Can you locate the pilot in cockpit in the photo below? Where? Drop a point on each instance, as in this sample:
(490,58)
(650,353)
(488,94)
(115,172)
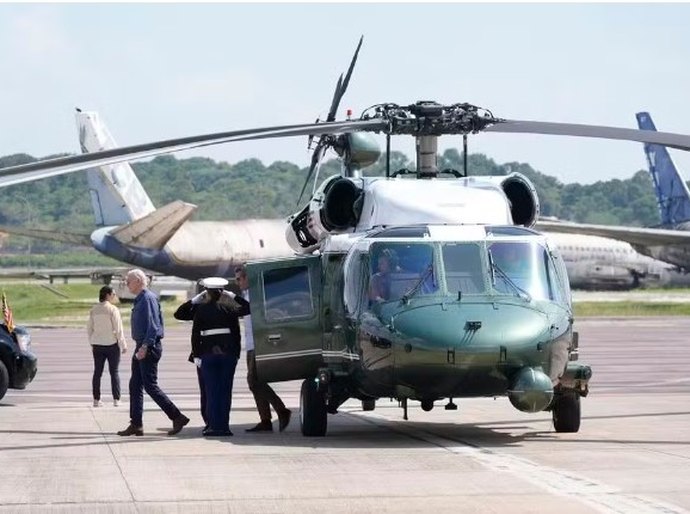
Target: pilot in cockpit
(380,283)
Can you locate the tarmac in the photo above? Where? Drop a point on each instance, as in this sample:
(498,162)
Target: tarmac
(632,455)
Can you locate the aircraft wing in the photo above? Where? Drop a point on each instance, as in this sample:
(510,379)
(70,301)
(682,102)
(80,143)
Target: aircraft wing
(633,235)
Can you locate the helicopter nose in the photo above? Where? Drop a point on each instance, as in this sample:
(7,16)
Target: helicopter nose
(472,326)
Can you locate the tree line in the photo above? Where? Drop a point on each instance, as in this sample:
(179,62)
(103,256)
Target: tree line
(250,188)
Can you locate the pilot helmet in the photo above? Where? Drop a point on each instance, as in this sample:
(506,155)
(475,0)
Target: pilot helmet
(214,283)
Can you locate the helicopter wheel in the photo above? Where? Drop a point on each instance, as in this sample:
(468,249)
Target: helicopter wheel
(312,410)
(368,404)
(566,412)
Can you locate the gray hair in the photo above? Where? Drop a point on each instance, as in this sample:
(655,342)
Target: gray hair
(139,275)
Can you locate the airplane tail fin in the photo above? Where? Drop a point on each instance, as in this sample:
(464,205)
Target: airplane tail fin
(154,230)
(672,193)
(117,196)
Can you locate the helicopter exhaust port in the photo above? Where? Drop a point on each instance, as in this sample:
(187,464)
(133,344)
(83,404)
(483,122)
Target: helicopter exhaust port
(532,390)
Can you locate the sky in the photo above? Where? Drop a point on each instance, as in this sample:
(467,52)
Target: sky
(159,71)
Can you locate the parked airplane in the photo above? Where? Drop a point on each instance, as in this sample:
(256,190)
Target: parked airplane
(608,264)
(130,229)
(671,242)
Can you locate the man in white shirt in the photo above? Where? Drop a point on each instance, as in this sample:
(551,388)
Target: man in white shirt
(264,395)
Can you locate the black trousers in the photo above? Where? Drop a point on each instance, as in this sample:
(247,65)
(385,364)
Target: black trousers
(264,395)
(110,353)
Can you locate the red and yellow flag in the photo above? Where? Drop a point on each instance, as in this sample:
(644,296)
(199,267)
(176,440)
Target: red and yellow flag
(7,313)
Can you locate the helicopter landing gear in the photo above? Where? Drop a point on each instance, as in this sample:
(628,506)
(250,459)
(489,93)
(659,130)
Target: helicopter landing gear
(565,412)
(312,410)
(450,405)
(427,405)
(368,404)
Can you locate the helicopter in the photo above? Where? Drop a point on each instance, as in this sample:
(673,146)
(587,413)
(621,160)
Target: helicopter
(420,285)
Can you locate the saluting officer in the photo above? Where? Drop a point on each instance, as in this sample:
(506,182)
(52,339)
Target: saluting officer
(216,341)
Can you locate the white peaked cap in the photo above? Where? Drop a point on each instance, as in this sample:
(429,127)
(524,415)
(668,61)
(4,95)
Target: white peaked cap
(214,283)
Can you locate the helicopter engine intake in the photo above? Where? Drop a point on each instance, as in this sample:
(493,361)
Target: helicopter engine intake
(522,195)
(335,208)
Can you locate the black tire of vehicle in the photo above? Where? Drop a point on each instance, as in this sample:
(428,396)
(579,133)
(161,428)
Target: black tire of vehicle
(566,412)
(312,410)
(4,380)
(368,404)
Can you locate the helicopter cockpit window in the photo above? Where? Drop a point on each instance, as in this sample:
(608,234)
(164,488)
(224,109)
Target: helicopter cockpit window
(287,294)
(464,269)
(519,268)
(399,270)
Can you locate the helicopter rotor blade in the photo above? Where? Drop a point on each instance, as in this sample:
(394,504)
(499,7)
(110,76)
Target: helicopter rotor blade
(51,167)
(315,159)
(343,83)
(677,141)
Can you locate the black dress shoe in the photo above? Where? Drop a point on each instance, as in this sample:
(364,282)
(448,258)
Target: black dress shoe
(178,423)
(131,430)
(262,426)
(284,419)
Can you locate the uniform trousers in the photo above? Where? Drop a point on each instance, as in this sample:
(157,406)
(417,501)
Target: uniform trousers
(218,371)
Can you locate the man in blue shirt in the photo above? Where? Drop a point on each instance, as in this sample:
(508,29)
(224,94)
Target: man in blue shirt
(147,332)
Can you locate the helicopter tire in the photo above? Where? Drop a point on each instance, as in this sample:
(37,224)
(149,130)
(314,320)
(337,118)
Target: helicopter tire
(312,410)
(368,404)
(566,412)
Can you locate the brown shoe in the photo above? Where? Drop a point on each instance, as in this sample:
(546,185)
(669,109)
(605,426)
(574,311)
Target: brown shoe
(284,419)
(262,426)
(131,430)
(178,423)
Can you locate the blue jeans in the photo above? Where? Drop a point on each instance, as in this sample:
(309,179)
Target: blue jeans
(145,378)
(218,371)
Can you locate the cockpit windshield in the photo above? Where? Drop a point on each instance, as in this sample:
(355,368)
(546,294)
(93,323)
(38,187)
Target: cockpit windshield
(521,268)
(400,271)
(392,271)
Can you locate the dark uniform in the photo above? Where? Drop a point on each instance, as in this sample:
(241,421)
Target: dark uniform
(216,340)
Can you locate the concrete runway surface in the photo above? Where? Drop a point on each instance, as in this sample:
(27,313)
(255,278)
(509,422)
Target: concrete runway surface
(632,454)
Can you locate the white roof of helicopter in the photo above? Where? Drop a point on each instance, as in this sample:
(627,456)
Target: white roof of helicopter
(401,201)
(436,233)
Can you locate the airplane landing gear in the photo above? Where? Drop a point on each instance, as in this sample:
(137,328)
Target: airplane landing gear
(566,412)
(312,410)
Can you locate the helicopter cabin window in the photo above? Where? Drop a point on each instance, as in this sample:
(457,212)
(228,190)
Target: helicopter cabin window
(287,294)
(463,265)
(399,270)
(519,267)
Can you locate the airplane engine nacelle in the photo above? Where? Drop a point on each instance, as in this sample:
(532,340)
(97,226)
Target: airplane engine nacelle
(523,198)
(334,209)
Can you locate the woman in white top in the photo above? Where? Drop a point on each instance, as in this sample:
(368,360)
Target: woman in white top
(107,339)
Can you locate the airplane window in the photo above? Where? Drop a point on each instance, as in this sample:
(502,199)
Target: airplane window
(287,293)
(463,268)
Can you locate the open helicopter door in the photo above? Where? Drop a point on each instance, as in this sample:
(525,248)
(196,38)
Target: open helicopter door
(285,297)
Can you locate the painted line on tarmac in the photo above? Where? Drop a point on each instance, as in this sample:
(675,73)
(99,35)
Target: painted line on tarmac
(600,496)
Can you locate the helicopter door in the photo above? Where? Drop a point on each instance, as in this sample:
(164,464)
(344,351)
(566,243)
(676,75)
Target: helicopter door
(285,297)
